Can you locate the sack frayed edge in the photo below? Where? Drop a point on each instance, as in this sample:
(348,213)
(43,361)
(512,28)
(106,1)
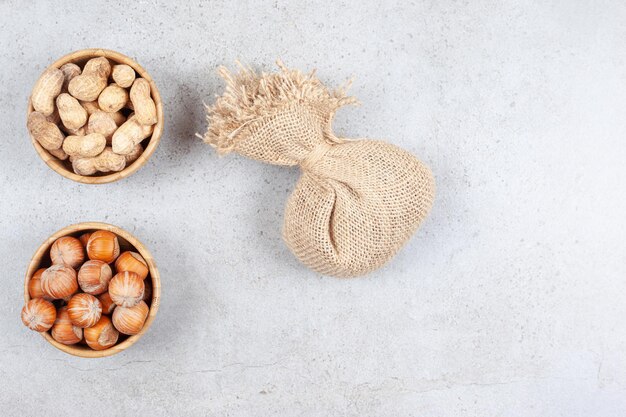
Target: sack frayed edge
(251,97)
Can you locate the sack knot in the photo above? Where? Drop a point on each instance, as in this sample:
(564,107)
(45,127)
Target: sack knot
(315,155)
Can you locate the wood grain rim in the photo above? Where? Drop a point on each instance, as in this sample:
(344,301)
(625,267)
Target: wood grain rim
(116,57)
(84,351)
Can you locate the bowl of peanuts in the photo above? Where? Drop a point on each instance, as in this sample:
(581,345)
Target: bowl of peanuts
(95,116)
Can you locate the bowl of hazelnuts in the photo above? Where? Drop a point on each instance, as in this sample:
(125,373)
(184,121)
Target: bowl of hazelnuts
(95,116)
(91,290)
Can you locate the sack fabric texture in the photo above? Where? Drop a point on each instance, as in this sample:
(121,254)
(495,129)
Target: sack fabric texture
(356,203)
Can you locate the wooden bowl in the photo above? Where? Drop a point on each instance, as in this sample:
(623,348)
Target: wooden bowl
(41,259)
(64,167)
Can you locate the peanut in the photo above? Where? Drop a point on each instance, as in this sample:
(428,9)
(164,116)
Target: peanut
(73,115)
(123,75)
(85,146)
(128,135)
(112,98)
(90,106)
(81,131)
(144,106)
(104,123)
(83,166)
(109,161)
(88,85)
(69,71)
(47,88)
(118,117)
(59,154)
(98,66)
(106,161)
(44,132)
(54,117)
(134,154)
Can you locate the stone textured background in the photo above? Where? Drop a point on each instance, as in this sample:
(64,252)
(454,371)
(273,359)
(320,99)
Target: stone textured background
(510,301)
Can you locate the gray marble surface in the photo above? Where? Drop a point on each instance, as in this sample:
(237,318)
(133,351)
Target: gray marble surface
(510,301)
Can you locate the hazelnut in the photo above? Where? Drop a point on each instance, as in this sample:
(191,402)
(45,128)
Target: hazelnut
(59,281)
(63,331)
(103,246)
(39,314)
(126,289)
(130,320)
(84,310)
(107,304)
(147,292)
(102,335)
(94,277)
(132,262)
(84,238)
(67,250)
(34,285)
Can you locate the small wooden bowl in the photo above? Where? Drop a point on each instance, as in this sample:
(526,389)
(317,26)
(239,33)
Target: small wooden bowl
(127,242)
(64,167)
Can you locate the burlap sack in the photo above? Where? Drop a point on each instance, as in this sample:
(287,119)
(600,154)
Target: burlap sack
(357,201)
